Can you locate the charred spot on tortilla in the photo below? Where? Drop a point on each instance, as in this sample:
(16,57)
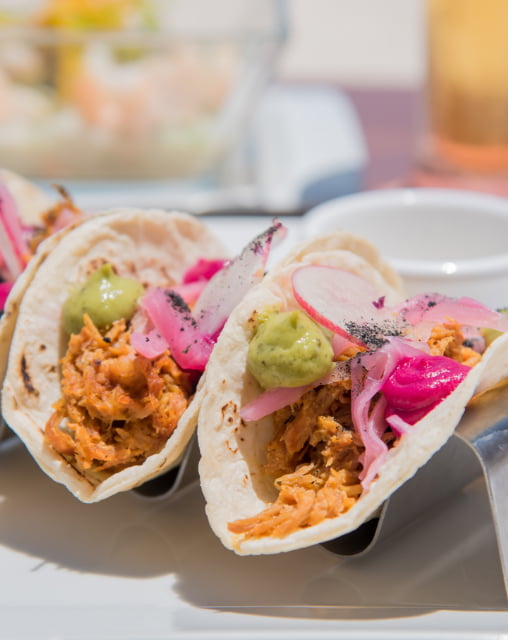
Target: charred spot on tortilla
(253,318)
(96,264)
(42,347)
(27,380)
(234,450)
(229,406)
(131,268)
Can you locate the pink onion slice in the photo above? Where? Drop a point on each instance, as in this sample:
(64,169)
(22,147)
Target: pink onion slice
(270,401)
(435,308)
(151,345)
(13,246)
(419,383)
(174,323)
(368,373)
(191,335)
(343,302)
(190,291)
(279,397)
(5,289)
(202,270)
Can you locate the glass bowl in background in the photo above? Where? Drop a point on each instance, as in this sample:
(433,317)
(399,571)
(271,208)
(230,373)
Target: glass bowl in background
(157,90)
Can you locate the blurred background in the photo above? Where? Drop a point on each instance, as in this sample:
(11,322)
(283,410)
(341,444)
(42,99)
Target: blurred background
(360,43)
(264,106)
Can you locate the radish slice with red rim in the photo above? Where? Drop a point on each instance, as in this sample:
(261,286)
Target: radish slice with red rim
(343,302)
(229,285)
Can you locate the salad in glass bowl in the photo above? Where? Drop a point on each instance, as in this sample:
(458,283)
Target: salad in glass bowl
(120,89)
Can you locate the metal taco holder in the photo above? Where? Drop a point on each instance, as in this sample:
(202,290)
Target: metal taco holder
(478,446)
(166,485)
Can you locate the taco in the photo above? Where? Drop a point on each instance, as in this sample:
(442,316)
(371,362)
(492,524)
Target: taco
(327,390)
(54,360)
(103,369)
(28,215)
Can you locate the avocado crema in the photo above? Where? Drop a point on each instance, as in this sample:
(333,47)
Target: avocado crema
(288,350)
(105,297)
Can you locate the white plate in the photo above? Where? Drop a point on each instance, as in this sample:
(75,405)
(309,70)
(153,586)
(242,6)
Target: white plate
(134,568)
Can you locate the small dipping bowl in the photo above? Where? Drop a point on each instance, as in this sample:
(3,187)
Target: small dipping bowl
(438,240)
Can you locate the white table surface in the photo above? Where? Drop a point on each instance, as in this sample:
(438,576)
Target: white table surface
(135,568)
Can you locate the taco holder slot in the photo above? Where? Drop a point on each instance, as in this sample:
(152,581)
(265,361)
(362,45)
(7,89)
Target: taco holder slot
(478,447)
(166,485)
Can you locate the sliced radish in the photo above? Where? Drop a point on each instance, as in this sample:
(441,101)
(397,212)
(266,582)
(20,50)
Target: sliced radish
(229,285)
(191,335)
(341,301)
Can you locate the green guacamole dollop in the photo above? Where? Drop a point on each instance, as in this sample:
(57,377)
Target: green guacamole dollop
(288,350)
(105,297)
(490,335)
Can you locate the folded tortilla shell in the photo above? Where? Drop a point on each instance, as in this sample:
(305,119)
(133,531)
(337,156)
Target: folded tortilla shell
(32,203)
(233,452)
(154,247)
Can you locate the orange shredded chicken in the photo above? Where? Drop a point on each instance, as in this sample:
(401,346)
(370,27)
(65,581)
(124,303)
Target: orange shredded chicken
(117,407)
(314,456)
(447,339)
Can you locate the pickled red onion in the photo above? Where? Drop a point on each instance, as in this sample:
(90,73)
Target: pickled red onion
(270,401)
(277,398)
(202,270)
(419,383)
(151,345)
(190,336)
(13,247)
(368,373)
(174,322)
(5,289)
(435,308)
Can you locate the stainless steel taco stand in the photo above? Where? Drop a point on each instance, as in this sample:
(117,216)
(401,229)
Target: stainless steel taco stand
(479,446)
(166,485)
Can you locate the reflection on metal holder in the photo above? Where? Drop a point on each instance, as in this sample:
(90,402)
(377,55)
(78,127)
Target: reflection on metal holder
(479,446)
(167,484)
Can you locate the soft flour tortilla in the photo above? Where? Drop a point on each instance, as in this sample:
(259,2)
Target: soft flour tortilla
(31,203)
(154,247)
(233,452)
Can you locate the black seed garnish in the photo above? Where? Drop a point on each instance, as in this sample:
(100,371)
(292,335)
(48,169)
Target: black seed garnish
(371,334)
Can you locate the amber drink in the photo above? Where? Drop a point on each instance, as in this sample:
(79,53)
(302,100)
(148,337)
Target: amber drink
(467,86)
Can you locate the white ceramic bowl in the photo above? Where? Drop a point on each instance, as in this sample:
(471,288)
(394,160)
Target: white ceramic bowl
(449,241)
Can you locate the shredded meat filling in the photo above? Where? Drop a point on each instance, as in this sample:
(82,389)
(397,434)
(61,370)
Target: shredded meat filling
(314,459)
(117,407)
(314,456)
